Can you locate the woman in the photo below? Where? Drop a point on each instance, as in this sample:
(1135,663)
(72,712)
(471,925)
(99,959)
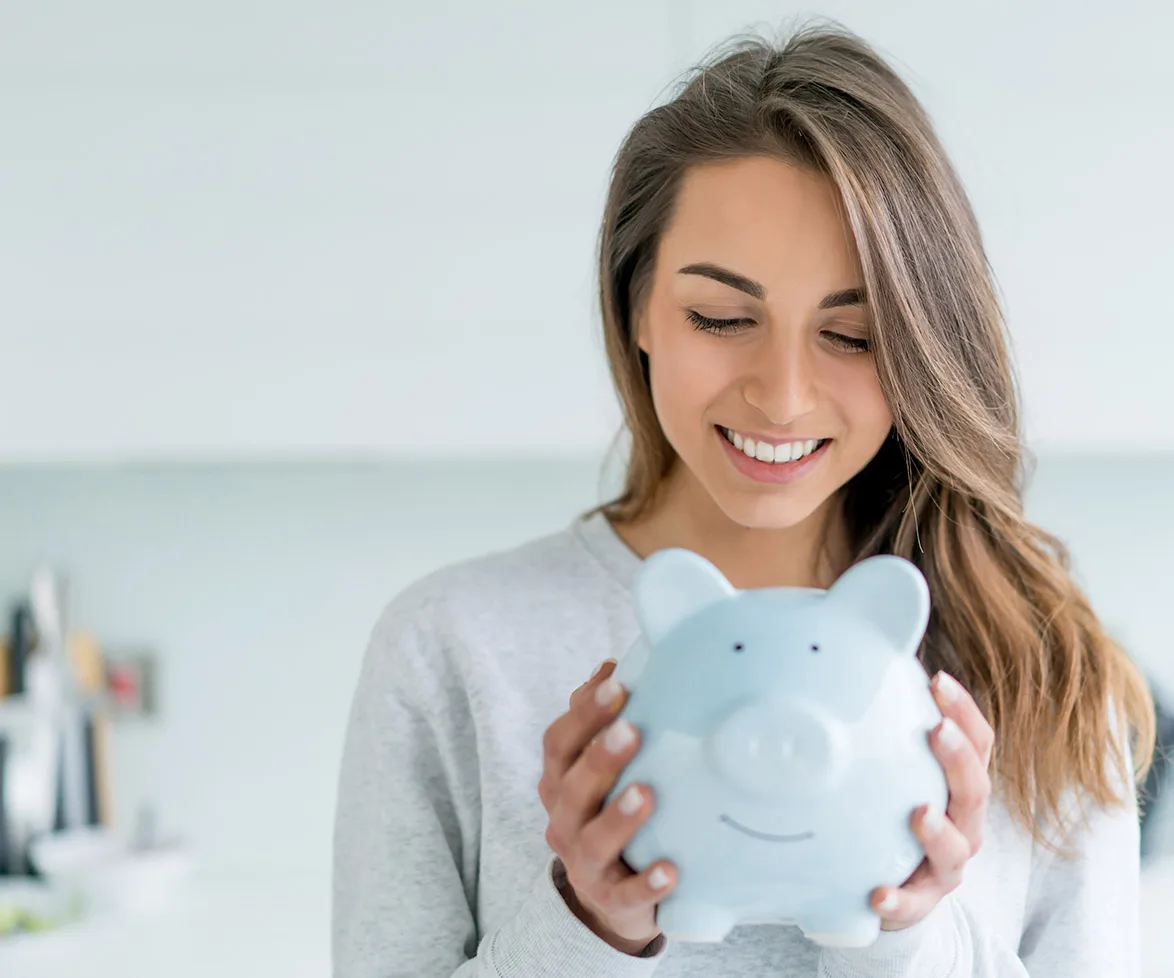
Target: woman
(804,335)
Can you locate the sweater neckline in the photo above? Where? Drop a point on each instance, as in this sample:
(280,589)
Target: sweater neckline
(600,538)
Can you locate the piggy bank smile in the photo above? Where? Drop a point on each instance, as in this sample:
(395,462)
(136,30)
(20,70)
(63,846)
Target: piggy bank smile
(765,836)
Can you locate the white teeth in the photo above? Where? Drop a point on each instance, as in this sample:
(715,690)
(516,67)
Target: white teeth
(766,452)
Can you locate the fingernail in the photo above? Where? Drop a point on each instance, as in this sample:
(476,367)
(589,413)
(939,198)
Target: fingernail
(618,737)
(658,879)
(889,903)
(630,801)
(950,735)
(948,687)
(608,691)
(932,819)
(598,669)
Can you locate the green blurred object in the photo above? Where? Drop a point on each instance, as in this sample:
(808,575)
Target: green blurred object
(28,907)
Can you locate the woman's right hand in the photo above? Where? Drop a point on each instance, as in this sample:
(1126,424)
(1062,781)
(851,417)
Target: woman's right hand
(584,751)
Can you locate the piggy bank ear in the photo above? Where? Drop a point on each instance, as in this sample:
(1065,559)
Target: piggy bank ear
(889,592)
(674,584)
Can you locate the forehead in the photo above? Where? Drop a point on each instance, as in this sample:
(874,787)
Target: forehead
(770,220)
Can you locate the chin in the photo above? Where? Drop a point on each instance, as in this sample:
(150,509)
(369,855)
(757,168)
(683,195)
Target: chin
(773,511)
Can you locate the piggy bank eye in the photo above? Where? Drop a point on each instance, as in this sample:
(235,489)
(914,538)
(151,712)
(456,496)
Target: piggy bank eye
(815,648)
(738,646)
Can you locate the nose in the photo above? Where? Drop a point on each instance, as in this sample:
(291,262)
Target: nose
(781,383)
(775,749)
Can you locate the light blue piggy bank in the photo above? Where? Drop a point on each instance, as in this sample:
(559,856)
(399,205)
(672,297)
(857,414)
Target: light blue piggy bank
(784,735)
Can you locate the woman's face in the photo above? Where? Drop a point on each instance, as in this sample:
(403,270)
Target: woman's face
(789,376)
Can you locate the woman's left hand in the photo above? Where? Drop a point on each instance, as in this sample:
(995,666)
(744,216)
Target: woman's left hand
(963,743)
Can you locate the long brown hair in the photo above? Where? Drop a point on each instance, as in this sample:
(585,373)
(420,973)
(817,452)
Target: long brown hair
(945,490)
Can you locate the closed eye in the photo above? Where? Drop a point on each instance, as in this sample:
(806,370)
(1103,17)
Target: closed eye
(728,327)
(849,344)
(724,326)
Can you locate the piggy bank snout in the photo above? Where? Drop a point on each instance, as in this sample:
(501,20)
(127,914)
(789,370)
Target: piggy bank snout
(775,749)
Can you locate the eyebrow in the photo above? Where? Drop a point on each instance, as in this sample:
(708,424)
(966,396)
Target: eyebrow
(834,300)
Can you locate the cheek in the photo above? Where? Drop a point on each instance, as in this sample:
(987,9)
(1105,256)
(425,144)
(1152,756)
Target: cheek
(864,401)
(686,377)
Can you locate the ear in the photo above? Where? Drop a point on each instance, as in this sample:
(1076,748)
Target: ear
(639,328)
(889,592)
(673,585)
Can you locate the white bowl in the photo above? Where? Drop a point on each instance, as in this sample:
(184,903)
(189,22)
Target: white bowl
(110,875)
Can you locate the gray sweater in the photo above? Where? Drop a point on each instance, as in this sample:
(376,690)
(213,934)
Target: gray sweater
(441,867)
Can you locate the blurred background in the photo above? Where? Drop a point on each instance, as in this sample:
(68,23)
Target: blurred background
(296,305)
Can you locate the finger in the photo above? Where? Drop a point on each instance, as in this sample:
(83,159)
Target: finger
(602,672)
(594,774)
(922,872)
(904,906)
(641,890)
(946,848)
(966,777)
(603,838)
(955,702)
(607,881)
(593,706)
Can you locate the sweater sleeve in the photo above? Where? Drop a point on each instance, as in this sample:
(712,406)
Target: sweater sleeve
(1083,914)
(407,825)
(1082,918)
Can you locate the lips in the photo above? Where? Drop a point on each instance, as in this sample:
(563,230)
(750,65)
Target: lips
(774,451)
(776,473)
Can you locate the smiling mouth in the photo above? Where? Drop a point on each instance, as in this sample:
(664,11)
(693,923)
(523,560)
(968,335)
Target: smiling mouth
(766,836)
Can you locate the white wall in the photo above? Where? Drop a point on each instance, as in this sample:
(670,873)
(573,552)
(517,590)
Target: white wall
(312,229)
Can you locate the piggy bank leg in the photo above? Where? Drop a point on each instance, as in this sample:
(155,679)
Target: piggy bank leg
(691,920)
(837,927)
